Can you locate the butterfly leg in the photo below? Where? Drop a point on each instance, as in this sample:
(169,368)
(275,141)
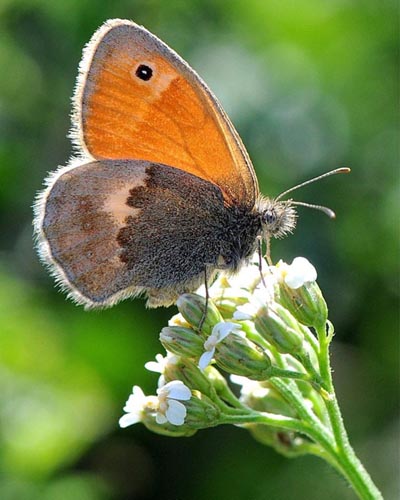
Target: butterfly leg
(207,298)
(259,249)
(268,251)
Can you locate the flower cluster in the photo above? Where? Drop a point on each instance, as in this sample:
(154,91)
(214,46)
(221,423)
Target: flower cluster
(255,355)
(255,329)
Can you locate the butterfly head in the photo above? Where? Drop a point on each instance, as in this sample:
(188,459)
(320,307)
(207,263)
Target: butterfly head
(278,218)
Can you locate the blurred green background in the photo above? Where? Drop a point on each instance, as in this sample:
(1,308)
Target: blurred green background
(310,85)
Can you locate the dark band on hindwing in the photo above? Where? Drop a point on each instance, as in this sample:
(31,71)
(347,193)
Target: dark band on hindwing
(122,227)
(182,225)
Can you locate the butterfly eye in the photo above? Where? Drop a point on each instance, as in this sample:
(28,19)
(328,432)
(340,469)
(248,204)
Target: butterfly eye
(144,72)
(269,216)
(278,218)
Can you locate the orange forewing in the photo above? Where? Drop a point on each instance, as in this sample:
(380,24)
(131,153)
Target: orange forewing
(172,119)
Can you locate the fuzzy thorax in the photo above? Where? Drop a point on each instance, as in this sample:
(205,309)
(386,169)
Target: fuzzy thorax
(278,218)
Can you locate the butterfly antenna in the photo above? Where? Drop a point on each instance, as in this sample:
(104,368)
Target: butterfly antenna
(330,213)
(341,170)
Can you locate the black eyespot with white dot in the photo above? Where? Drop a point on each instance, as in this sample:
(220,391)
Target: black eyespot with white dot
(144,72)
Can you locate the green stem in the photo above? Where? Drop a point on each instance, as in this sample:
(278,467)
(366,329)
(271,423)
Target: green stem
(228,398)
(310,338)
(319,382)
(250,417)
(273,371)
(320,446)
(292,389)
(321,434)
(277,421)
(351,466)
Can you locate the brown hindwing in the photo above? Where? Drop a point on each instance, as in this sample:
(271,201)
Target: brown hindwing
(113,228)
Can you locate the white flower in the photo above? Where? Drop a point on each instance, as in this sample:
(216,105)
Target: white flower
(300,271)
(169,407)
(178,320)
(259,299)
(248,277)
(135,406)
(166,404)
(161,364)
(219,332)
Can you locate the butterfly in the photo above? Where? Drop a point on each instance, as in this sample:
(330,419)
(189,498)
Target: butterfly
(162,194)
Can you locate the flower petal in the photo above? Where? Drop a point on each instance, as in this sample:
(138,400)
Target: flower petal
(129,419)
(153,366)
(244,313)
(136,400)
(223,329)
(176,412)
(161,362)
(177,390)
(299,272)
(161,418)
(210,343)
(248,277)
(157,365)
(161,381)
(205,359)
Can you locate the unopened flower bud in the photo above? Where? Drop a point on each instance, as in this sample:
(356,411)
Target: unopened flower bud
(182,341)
(306,303)
(201,411)
(300,294)
(191,375)
(239,356)
(279,327)
(168,429)
(193,308)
